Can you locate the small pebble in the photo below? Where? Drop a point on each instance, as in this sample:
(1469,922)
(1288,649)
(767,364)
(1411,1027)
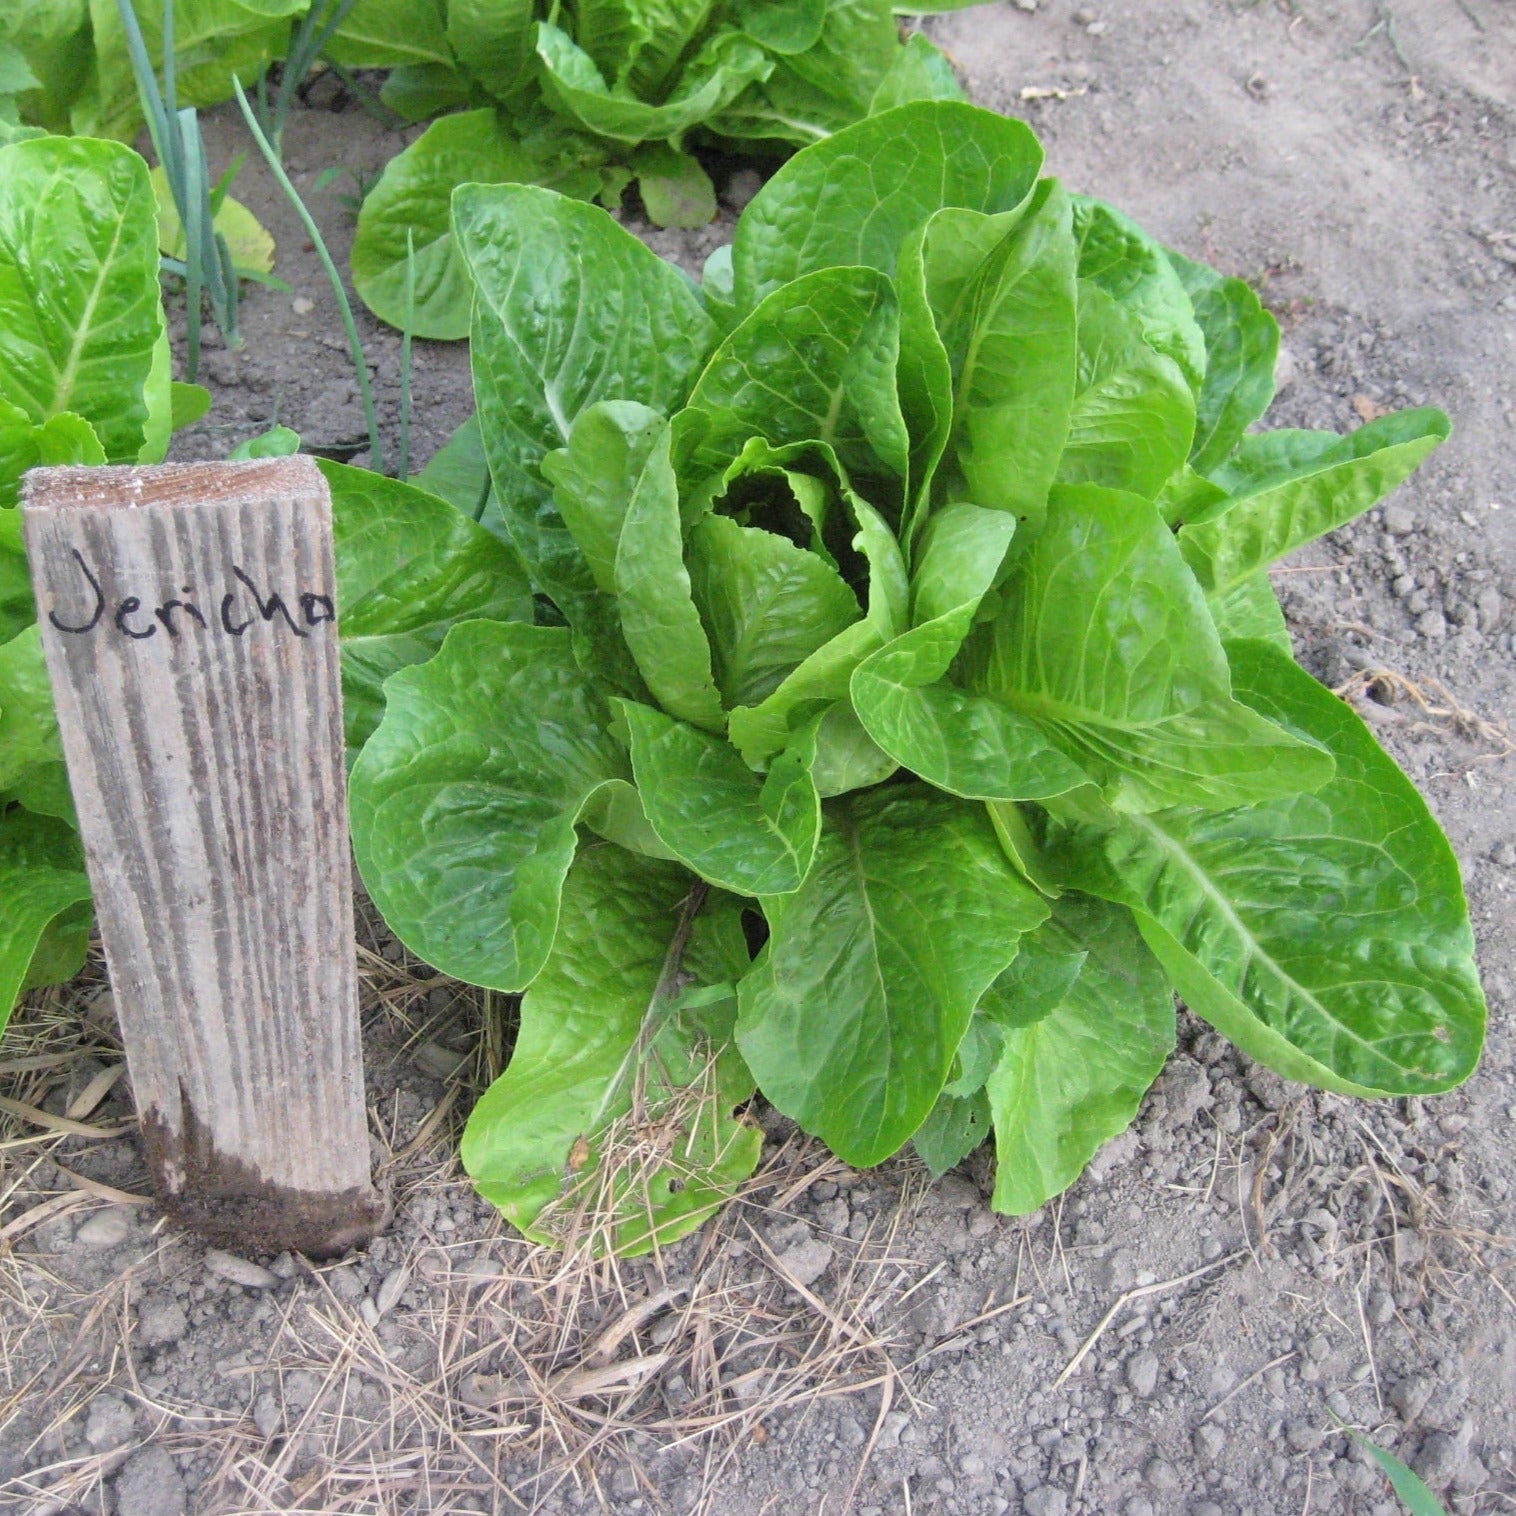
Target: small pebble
(1411,1394)
(741,188)
(1209,1441)
(1399,521)
(150,1485)
(1303,1436)
(236,1270)
(302,306)
(111,1423)
(807,1261)
(161,1320)
(105,1229)
(1045,1500)
(1142,1373)
(267,1415)
(1161,1475)
(391,1290)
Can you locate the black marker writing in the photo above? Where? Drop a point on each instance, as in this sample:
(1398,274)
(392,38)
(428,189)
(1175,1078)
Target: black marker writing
(175,615)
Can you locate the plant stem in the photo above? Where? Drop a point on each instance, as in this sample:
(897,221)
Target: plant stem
(402,471)
(194,244)
(354,342)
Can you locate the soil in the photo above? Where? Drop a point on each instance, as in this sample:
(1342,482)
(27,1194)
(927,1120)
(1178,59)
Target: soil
(1250,1269)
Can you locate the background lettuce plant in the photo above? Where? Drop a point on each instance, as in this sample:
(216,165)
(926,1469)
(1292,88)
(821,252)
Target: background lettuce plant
(906,713)
(586,97)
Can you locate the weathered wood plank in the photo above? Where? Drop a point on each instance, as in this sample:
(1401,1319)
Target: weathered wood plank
(189,627)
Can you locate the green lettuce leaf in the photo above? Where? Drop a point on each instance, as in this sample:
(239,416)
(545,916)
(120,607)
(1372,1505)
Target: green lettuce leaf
(52,38)
(1287,488)
(409,568)
(215,42)
(1133,416)
(956,740)
(458,471)
(852,1015)
(81,315)
(1137,272)
(569,309)
(766,604)
(25,444)
(28,727)
(782,26)
(659,618)
(18,606)
(847,758)
(606,1060)
(410,206)
(1004,301)
(1040,976)
(954,1127)
(1325,934)
(924,379)
(393,34)
(492,41)
(822,88)
(596,474)
(839,62)
(636,622)
(276,442)
(187,404)
(752,834)
(675,189)
(43,884)
(920,72)
(465,798)
(637,44)
(417,92)
(853,199)
(1250,609)
(714,77)
(818,684)
(815,362)
(1075,1077)
(1241,349)
(1105,642)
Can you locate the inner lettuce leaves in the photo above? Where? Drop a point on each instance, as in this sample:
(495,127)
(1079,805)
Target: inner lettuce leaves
(899,620)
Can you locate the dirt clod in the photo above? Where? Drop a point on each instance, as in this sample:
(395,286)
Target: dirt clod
(150,1485)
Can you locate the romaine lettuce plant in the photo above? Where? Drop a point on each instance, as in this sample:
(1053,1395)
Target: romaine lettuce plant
(907,714)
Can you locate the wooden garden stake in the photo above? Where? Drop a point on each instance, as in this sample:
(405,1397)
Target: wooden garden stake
(190,630)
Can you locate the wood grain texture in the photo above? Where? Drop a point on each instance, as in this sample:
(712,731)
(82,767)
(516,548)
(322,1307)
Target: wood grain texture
(190,635)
